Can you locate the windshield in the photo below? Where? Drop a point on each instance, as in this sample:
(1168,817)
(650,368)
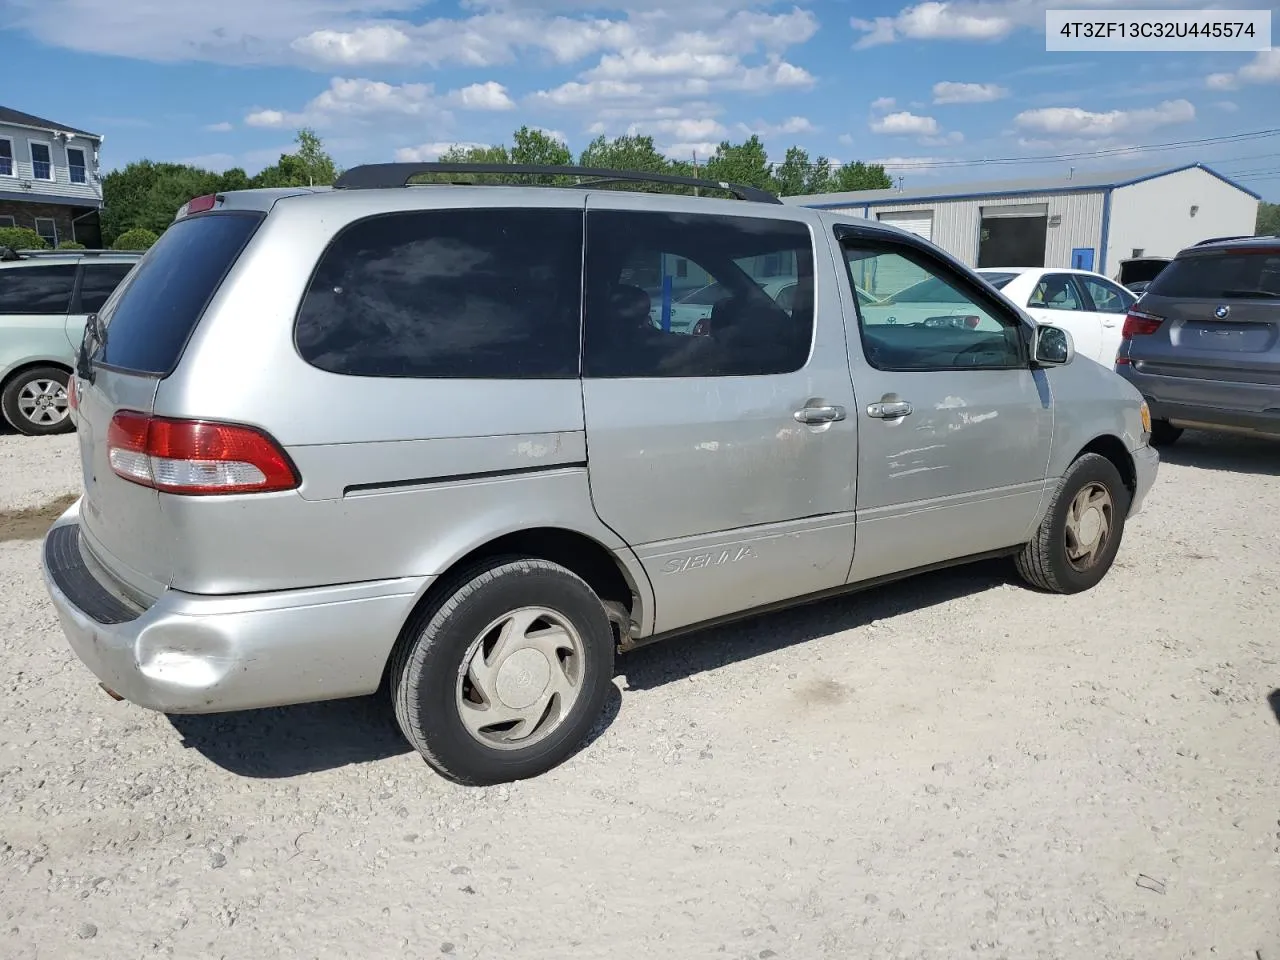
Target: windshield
(1253,274)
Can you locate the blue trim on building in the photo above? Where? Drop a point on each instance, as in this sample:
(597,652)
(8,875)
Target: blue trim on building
(26,196)
(1106,233)
(1189,166)
(1104,188)
(866,211)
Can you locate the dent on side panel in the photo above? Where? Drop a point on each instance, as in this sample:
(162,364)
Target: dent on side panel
(281,541)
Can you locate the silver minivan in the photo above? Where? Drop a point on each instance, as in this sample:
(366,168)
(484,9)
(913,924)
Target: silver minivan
(443,441)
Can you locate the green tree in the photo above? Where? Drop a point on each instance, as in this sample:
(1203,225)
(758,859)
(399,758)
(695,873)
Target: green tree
(21,238)
(627,153)
(1268,224)
(797,174)
(540,148)
(71,245)
(309,166)
(139,238)
(745,163)
(859,176)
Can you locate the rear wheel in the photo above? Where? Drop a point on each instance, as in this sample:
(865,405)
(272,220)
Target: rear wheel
(1163,433)
(503,676)
(35,402)
(1081,531)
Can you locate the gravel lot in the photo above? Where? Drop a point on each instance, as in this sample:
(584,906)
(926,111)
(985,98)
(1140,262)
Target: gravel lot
(949,767)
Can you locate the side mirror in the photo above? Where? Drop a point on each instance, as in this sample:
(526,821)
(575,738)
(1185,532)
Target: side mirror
(1052,346)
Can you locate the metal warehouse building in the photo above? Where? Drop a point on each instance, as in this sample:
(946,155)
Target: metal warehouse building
(1086,220)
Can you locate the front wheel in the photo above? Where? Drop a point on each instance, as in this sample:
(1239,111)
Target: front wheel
(1081,531)
(1164,434)
(35,402)
(503,676)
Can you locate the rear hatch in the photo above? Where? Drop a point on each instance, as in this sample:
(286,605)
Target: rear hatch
(1141,270)
(135,341)
(1213,316)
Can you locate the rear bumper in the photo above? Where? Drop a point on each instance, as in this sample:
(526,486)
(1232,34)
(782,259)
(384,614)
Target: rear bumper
(1209,404)
(197,654)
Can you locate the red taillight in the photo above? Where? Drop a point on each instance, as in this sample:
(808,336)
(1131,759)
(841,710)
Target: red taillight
(972,322)
(73,398)
(196,457)
(700,328)
(201,204)
(1138,324)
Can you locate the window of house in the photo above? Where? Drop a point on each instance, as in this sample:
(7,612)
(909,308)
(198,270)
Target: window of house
(41,161)
(6,157)
(48,229)
(75,164)
(491,293)
(939,323)
(741,331)
(8,222)
(36,289)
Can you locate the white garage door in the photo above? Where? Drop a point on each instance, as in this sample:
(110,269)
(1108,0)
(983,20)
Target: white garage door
(919,222)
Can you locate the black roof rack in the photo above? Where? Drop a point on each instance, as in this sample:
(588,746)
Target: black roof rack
(1243,236)
(371,176)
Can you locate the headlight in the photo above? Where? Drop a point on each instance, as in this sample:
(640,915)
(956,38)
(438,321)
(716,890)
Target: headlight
(1144,414)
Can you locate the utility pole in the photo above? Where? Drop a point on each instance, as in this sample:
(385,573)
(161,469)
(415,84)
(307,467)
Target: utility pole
(695,172)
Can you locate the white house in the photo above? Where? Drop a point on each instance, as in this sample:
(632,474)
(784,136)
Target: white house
(49,178)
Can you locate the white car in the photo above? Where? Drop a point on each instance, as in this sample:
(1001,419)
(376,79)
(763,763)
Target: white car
(1088,304)
(689,311)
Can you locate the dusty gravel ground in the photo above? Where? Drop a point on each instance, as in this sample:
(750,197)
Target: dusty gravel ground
(951,767)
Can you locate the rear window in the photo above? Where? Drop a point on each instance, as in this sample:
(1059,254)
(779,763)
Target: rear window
(161,301)
(997,280)
(1225,276)
(487,293)
(37,290)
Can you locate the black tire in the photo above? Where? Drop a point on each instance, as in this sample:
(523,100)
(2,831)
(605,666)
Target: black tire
(9,402)
(1164,434)
(1044,562)
(425,668)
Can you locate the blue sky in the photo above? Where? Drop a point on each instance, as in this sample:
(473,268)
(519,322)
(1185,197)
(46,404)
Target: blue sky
(911,84)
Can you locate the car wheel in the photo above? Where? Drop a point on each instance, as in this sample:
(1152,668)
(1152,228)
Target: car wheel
(1081,531)
(1163,433)
(502,677)
(35,402)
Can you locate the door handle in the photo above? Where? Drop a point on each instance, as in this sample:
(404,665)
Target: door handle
(823,414)
(889,410)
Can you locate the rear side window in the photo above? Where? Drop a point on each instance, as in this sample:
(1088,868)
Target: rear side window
(34,290)
(97,282)
(1224,276)
(476,293)
(161,302)
(646,315)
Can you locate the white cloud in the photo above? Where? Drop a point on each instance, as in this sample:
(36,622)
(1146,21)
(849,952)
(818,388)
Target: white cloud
(883,103)
(788,127)
(223,127)
(949,91)
(685,129)
(1263,68)
(1080,123)
(905,123)
(266,118)
(357,99)
(932,21)
(428,152)
(690,151)
(896,165)
(483,96)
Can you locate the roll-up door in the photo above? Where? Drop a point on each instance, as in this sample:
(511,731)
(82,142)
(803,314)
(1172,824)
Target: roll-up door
(919,222)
